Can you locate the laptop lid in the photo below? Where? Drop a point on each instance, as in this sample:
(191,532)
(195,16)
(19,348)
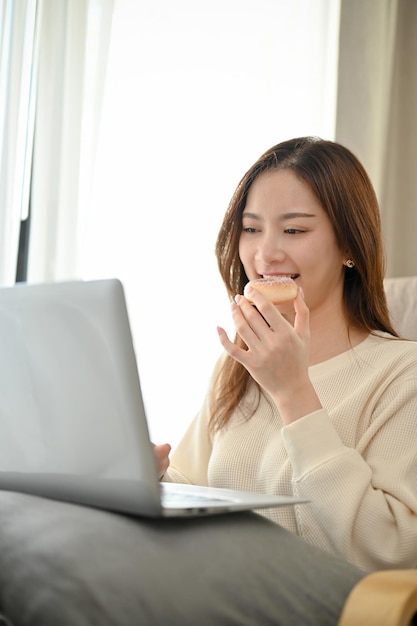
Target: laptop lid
(72,415)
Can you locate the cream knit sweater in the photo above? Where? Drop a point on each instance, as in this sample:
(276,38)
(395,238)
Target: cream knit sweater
(355,460)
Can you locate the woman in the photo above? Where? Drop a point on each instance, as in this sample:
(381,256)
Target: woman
(317,398)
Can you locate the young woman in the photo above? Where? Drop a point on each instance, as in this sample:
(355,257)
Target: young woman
(317,398)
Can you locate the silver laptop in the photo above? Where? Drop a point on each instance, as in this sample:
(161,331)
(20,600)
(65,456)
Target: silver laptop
(72,417)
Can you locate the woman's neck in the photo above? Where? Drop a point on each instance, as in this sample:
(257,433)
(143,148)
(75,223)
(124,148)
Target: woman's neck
(330,337)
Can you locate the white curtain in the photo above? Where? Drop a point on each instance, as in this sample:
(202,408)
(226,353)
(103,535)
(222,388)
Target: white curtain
(73,45)
(18,47)
(376,113)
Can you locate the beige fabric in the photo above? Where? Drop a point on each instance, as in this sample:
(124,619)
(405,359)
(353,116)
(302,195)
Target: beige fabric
(402,303)
(376,113)
(343,458)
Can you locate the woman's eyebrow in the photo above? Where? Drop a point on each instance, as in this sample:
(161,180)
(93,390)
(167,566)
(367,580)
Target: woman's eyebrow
(295,214)
(282,218)
(253,216)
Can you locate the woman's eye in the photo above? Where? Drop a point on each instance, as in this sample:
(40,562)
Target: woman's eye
(294,231)
(249,229)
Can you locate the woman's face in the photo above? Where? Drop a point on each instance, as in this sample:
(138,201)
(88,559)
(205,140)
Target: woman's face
(285,231)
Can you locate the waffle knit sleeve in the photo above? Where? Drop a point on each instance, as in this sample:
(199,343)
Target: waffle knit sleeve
(363,499)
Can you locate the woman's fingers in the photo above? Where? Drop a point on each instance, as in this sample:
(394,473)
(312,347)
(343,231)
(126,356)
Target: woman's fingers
(253,329)
(276,350)
(248,322)
(231,348)
(162,457)
(261,316)
(302,316)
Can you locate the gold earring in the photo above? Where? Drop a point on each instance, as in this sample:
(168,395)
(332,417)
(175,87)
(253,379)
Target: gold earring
(349,263)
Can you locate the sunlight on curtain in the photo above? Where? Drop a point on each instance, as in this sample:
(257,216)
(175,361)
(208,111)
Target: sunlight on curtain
(195,92)
(72,60)
(17,99)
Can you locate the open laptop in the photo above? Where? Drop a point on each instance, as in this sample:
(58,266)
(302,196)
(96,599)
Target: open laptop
(72,418)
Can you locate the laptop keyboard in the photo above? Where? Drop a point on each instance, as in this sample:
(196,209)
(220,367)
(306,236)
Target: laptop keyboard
(170,499)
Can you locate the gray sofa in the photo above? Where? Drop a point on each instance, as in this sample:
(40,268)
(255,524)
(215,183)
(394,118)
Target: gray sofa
(67,565)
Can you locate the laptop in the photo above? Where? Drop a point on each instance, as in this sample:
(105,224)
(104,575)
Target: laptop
(72,417)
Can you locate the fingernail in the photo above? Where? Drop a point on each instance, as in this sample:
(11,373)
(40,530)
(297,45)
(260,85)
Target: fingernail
(237,298)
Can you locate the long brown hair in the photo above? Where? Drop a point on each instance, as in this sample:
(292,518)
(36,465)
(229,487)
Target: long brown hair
(344,190)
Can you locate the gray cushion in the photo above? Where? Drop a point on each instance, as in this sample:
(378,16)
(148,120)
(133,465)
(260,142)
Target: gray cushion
(63,564)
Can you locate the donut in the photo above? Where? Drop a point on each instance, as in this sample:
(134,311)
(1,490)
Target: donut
(277,289)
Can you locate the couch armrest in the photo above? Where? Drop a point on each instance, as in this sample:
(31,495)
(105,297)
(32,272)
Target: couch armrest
(387,597)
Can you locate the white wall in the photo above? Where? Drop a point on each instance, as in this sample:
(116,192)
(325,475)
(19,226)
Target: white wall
(195,92)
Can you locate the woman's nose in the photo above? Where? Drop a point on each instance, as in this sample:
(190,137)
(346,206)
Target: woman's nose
(270,250)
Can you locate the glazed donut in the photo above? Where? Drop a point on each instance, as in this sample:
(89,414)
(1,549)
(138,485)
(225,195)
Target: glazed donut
(278,289)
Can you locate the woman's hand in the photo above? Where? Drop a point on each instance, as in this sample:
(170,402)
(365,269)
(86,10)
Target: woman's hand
(162,457)
(278,353)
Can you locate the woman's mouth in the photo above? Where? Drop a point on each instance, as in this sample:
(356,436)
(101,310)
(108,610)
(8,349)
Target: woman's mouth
(293,276)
